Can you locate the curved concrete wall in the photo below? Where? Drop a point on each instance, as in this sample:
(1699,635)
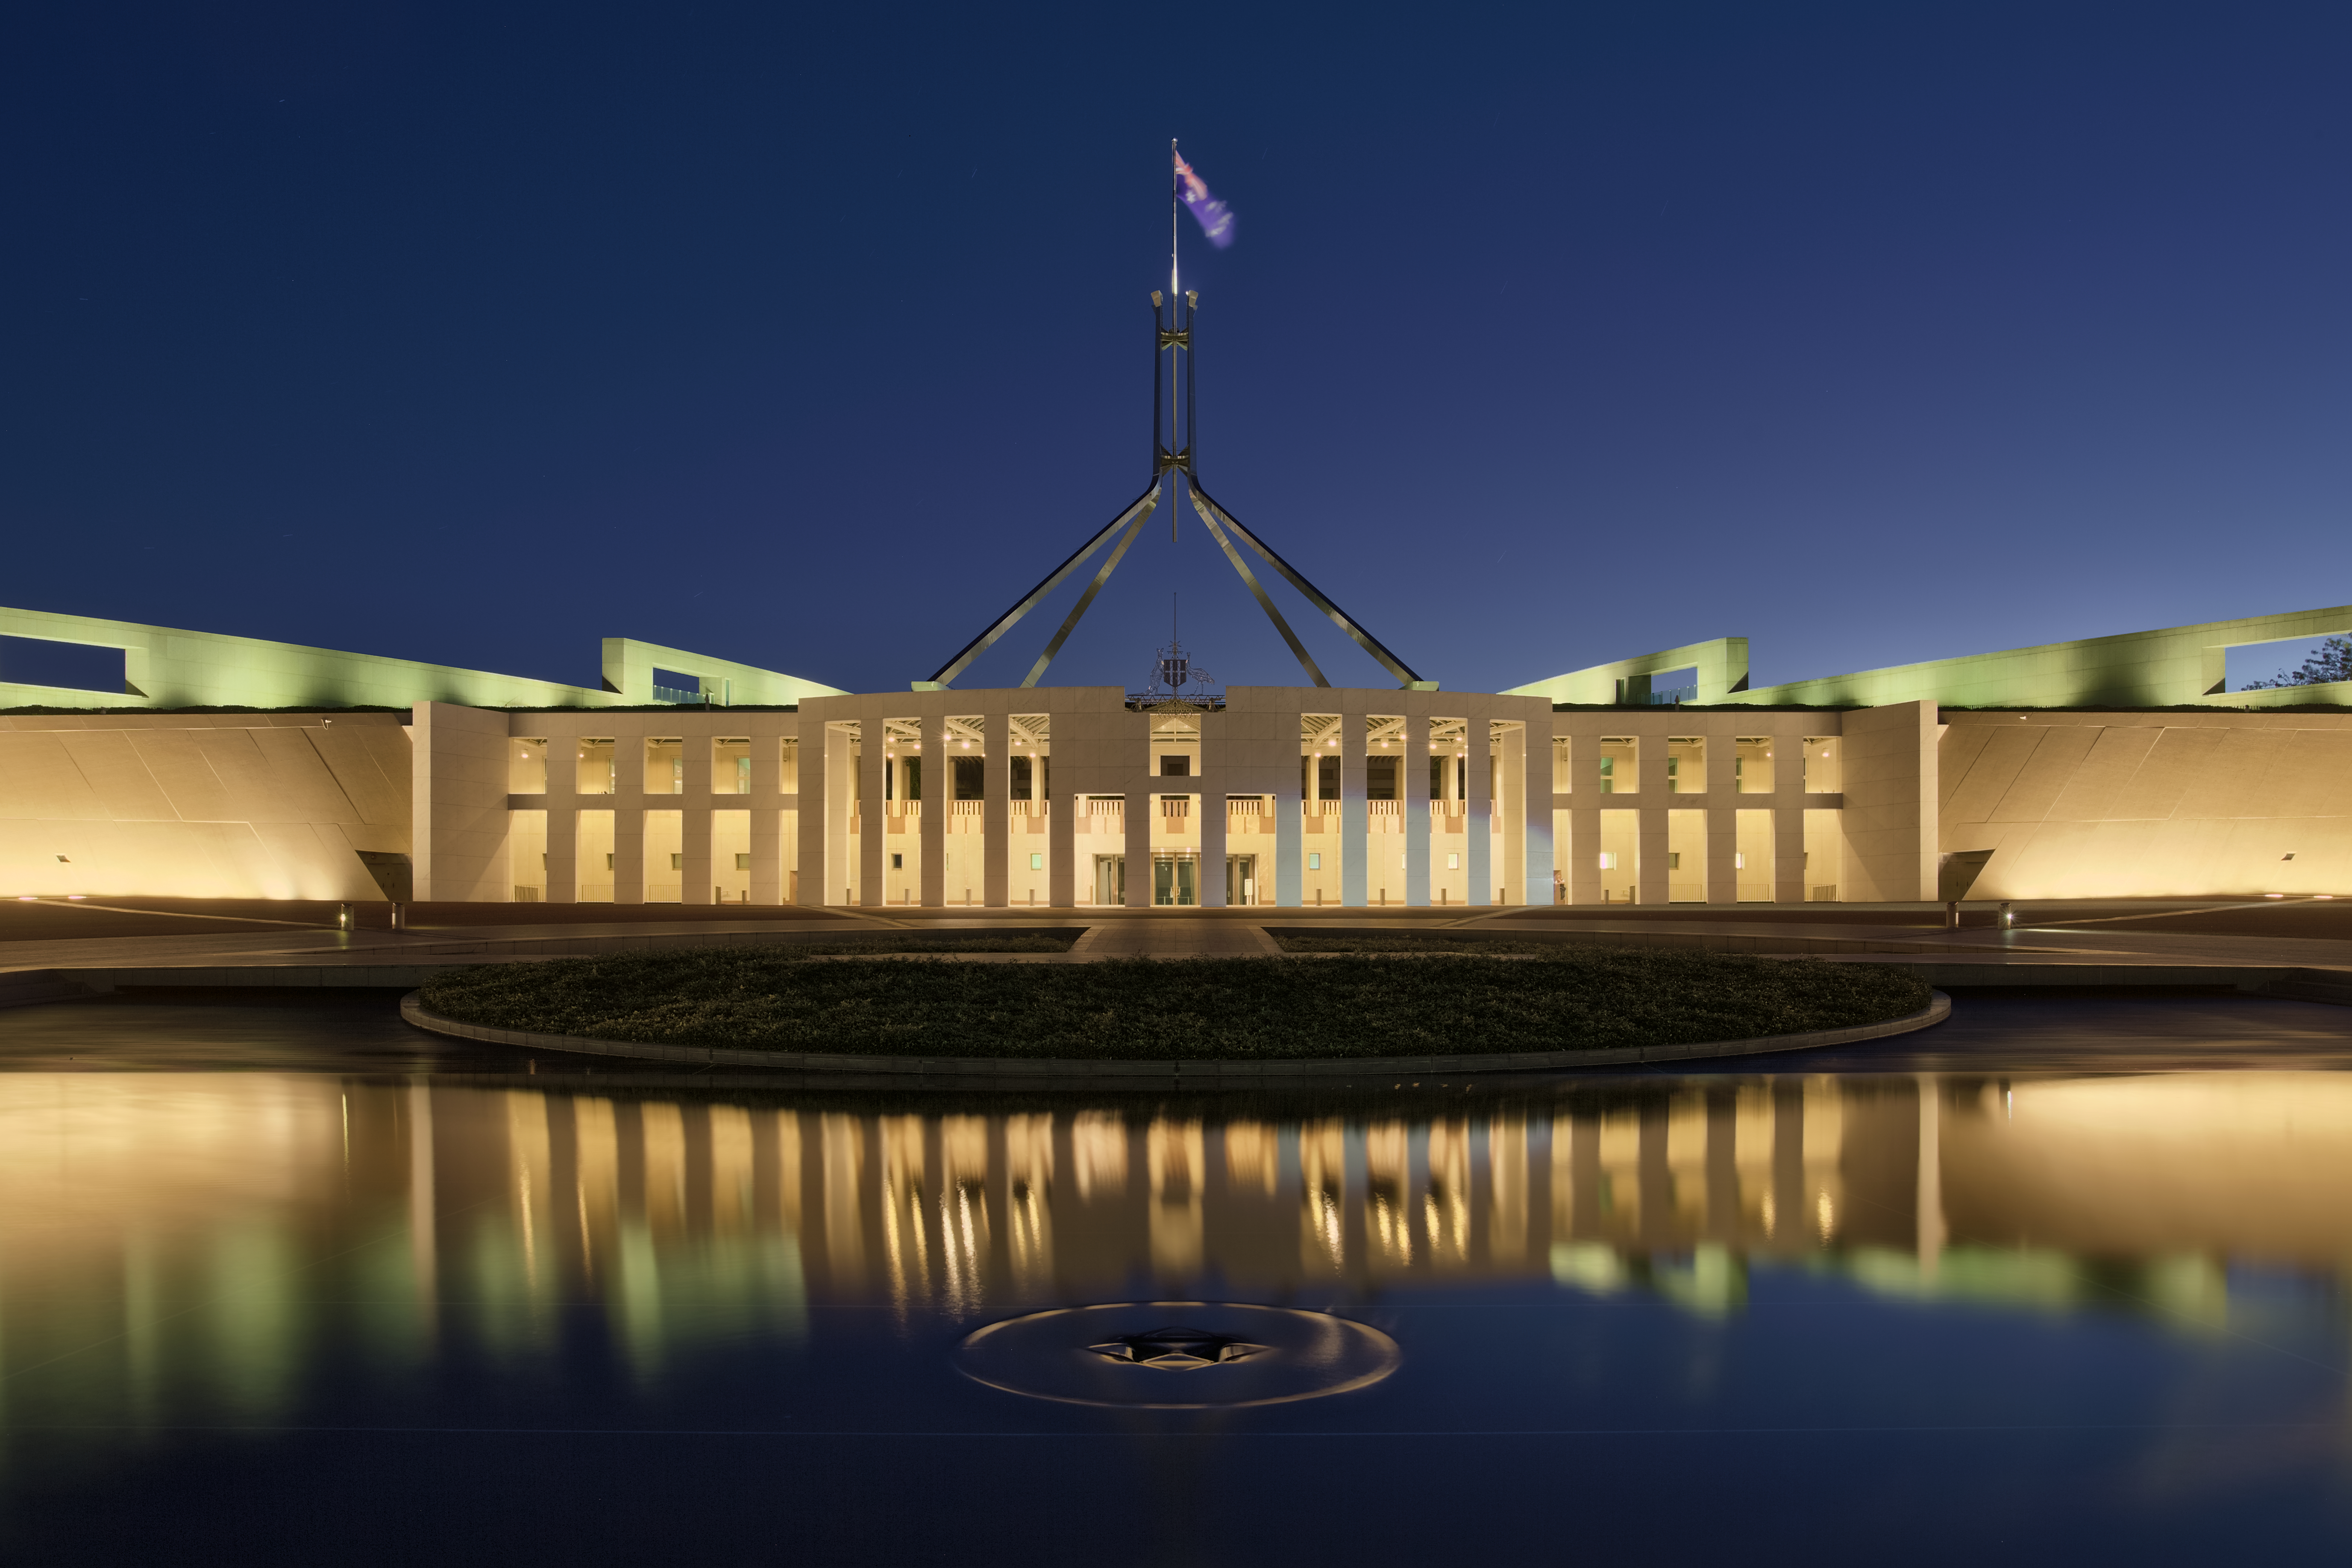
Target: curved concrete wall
(201,805)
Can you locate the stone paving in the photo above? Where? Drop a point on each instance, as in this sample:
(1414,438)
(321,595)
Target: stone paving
(2091,941)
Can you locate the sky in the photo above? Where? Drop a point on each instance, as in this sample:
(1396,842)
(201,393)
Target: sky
(808,337)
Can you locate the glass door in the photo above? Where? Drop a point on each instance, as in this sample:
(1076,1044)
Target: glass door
(1175,880)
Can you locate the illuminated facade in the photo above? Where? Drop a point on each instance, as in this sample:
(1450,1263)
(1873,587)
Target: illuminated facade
(2119,766)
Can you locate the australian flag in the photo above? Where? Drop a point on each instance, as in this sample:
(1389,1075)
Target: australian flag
(1215,218)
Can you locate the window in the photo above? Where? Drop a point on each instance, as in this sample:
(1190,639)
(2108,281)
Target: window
(730,766)
(666,767)
(672,686)
(1314,859)
(1176,767)
(1821,765)
(526,768)
(1608,860)
(1453,862)
(1685,764)
(899,862)
(1620,764)
(677,862)
(1674,859)
(1037,861)
(595,763)
(742,862)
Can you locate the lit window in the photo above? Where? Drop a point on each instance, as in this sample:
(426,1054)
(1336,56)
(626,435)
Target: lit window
(1314,859)
(1036,862)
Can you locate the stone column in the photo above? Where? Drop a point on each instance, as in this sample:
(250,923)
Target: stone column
(1479,846)
(1516,801)
(694,853)
(1788,816)
(938,804)
(1210,805)
(1355,822)
(1651,834)
(996,808)
(1722,819)
(768,879)
(695,886)
(1060,844)
(767,856)
(562,819)
(1142,808)
(873,843)
(824,824)
(1887,756)
(1535,782)
(820,797)
(1289,832)
(1413,797)
(1583,856)
(629,817)
(459,784)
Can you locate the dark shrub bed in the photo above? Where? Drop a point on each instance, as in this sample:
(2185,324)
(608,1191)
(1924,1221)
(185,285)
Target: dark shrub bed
(1579,998)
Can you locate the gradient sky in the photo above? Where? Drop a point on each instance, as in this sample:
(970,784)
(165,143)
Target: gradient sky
(812,338)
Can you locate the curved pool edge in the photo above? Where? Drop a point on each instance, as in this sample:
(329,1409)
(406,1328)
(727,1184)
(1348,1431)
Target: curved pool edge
(1017,1069)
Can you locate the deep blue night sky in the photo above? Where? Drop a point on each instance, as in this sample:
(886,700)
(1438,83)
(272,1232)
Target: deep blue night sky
(811,339)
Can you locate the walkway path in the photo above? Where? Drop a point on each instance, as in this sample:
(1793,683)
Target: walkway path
(2085,943)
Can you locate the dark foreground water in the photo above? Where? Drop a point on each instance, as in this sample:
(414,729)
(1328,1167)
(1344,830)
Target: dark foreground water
(2064,1282)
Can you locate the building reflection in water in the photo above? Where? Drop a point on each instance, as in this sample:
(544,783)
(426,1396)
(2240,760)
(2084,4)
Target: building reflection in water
(197,1238)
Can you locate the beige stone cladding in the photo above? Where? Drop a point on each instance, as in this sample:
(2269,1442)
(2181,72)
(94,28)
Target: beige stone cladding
(1755,786)
(1117,802)
(2076,805)
(715,833)
(201,804)
(1084,735)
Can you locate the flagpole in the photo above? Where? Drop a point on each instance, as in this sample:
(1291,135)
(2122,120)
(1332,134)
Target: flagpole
(1175,201)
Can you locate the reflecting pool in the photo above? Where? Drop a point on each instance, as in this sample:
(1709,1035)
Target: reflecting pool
(1931,1315)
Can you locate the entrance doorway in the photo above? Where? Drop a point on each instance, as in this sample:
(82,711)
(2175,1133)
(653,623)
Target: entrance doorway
(1176,879)
(1110,878)
(1241,880)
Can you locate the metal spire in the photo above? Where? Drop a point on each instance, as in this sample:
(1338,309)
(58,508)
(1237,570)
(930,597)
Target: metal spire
(1172,463)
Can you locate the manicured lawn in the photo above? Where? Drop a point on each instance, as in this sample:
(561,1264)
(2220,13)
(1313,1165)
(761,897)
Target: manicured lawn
(1577,998)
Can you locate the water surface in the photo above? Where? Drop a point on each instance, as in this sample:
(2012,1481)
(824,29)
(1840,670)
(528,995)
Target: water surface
(2084,1298)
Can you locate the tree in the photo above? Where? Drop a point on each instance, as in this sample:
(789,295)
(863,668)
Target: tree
(2332,662)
